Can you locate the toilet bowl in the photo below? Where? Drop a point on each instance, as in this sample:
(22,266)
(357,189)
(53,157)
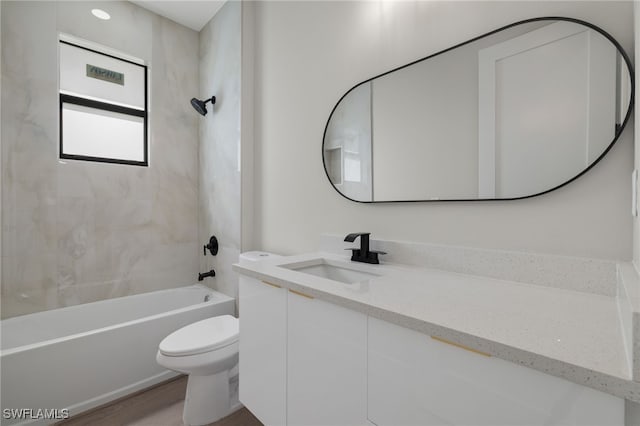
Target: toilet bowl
(207,351)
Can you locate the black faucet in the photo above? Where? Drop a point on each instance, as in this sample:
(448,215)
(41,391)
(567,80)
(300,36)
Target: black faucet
(202,276)
(363,254)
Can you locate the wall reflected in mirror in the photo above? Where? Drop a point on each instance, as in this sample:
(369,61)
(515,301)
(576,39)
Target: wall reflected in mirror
(513,114)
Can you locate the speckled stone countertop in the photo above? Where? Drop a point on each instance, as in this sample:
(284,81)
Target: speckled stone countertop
(569,334)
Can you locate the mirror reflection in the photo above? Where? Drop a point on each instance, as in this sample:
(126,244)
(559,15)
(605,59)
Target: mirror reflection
(513,114)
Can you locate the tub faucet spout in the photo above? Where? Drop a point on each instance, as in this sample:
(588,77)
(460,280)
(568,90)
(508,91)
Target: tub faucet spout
(202,276)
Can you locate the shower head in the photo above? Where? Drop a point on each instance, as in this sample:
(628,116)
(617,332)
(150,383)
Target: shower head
(201,106)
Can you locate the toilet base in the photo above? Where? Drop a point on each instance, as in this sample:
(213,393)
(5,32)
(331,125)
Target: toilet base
(207,399)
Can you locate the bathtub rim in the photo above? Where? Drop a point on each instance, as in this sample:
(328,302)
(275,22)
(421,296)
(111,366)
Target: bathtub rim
(42,343)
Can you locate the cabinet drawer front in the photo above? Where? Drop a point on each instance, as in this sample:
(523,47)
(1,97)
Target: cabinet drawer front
(416,380)
(263,350)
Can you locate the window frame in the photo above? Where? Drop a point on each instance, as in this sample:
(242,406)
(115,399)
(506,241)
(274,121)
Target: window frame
(106,106)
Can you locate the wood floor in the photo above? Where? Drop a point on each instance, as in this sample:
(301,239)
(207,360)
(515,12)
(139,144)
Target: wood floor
(159,406)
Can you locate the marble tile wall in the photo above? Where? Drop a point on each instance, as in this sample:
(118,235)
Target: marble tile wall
(219,178)
(75,232)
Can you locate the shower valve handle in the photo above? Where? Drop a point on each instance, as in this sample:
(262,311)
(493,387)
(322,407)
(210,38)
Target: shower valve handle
(212,246)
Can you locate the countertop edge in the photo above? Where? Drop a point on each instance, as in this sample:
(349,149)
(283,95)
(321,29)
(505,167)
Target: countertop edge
(617,386)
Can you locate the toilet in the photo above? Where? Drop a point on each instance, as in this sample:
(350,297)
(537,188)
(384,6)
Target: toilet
(207,351)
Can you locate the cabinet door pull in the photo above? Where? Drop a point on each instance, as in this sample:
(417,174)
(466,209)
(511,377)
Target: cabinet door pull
(301,294)
(271,284)
(466,348)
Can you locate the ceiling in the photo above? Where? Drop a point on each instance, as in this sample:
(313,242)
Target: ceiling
(191,14)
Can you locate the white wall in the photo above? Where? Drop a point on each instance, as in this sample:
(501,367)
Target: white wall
(309,53)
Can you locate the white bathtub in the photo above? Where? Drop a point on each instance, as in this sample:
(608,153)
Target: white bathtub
(82,356)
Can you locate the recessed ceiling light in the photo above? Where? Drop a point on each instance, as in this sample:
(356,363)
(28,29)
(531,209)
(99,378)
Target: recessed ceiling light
(100,14)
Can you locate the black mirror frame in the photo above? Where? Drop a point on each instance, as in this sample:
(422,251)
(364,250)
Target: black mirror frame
(619,130)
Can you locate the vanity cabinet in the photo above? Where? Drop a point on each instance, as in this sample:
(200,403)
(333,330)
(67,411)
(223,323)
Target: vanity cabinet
(302,360)
(263,350)
(326,359)
(414,379)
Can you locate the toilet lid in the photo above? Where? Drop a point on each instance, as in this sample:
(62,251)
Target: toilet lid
(202,336)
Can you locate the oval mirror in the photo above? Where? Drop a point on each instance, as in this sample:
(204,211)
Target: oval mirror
(514,113)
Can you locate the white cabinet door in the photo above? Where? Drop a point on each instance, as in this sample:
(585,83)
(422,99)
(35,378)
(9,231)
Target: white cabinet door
(263,350)
(326,377)
(416,380)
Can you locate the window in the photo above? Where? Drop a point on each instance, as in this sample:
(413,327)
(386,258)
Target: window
(103,107)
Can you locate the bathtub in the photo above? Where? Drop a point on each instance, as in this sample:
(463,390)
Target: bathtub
(80,357)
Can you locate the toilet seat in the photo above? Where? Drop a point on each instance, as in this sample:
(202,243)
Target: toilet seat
(202,336)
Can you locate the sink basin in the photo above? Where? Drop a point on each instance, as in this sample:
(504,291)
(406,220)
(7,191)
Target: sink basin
(336,271)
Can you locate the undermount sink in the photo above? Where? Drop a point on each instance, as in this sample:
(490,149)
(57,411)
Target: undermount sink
(332,270)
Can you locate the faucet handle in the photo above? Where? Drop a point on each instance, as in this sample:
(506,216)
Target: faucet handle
(372,256)
(212,246)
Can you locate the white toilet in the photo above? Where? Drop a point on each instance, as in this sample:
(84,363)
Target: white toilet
(207,351)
